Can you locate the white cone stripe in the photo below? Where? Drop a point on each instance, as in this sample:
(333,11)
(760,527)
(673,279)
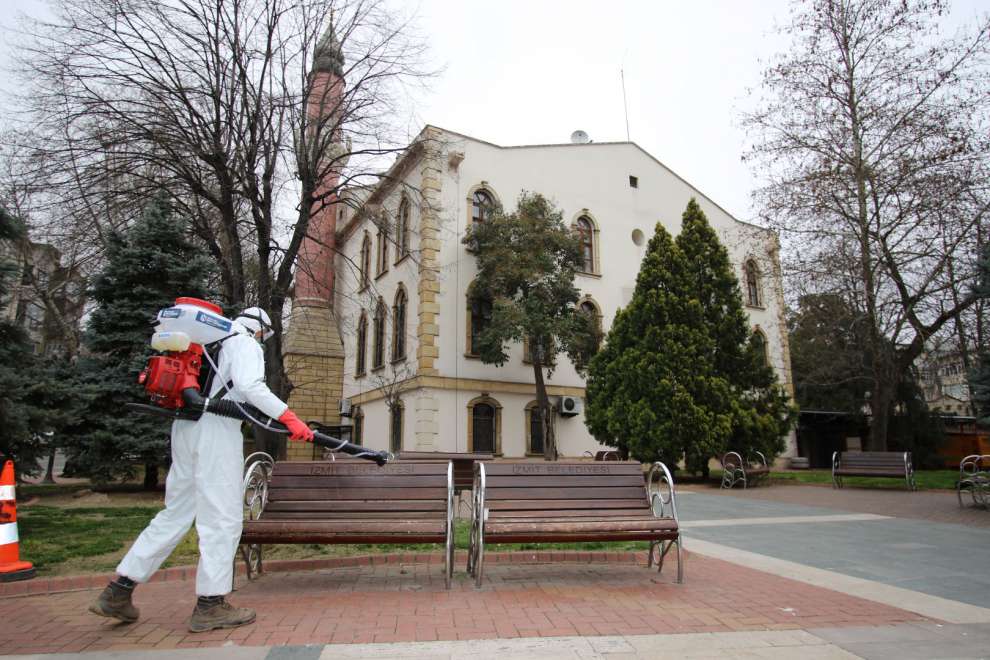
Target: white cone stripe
(8,533)
(6,493)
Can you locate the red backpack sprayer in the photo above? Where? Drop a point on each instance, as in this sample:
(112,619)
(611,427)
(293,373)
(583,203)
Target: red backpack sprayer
(189,335)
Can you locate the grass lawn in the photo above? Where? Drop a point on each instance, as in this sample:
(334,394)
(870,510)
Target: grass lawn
(926,479)
(78,540)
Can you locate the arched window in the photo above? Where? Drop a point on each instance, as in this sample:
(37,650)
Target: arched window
(382,257)
(399,325)
(484,425)
(357,435)
(752,274)
(590,309)
(535,442)
(402,230)
(362,344)
(378,357)
(395,426)
(482,205)
(586,231)
(760,344)
(478,317)
(365,261)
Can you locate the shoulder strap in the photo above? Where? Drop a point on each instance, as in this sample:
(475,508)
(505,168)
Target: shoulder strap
(218,344)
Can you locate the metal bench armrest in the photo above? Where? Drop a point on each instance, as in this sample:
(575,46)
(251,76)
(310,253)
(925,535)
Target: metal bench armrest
(660,492)
(254,489)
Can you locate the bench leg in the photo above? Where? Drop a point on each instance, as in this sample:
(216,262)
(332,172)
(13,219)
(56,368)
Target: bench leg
(680,562)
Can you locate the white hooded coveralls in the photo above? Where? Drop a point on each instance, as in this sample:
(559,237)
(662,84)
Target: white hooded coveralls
(204,482)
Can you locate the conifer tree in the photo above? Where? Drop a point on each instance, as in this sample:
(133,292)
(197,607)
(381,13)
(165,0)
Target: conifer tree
(979,379)
(762,413)
(17,442)
(680,375)
(652,390)
(147,268)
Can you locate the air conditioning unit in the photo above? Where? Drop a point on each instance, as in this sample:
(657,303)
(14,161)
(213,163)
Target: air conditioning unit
(568,406)
(345,407)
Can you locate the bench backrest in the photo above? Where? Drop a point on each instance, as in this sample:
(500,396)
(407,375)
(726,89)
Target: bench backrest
(358,489)
(553,487)
(893,460)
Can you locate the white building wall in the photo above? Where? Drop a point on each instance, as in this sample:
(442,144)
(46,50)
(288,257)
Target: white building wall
(590,179)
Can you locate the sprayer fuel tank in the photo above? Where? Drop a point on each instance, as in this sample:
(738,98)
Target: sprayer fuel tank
(201,321)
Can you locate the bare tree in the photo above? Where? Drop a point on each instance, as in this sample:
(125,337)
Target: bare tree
(217,101)
(872,144)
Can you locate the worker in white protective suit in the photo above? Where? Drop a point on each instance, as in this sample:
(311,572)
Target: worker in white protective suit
(204,484)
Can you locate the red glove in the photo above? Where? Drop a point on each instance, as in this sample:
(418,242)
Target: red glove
(297,430)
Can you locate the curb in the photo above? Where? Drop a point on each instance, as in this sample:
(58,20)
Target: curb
(41,586)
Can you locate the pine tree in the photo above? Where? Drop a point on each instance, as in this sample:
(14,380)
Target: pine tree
(762,413)
(17,442)
(147,268)
(652,390)
(680,375)
(979,379)
(526,265)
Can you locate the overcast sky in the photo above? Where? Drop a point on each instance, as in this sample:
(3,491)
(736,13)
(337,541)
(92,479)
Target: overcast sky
(533,71)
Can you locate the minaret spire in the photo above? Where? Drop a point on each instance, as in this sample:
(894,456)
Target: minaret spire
(328,57)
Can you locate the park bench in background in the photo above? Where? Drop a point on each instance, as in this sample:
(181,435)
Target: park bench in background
(735,470)
(894,464)
(974,476)
(463,464)
(604,455)
(573,501)
(348,501)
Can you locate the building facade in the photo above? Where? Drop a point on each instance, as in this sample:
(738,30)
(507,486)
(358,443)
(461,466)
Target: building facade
(410,376)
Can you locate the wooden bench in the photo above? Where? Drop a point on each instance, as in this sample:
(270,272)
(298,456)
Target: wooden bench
(604,455)
(348,501)
(463,464)
(735,470)
(894,464)
(974,476)
(573,501)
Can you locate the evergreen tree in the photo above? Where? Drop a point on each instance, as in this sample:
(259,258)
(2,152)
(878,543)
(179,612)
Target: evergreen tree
(17,442)
(979,379)
(147,268)
(652,391)
(762,413)
(526,265)
(680,375)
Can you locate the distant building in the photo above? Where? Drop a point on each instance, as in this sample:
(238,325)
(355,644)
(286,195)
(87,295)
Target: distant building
(944,382)
(45,298)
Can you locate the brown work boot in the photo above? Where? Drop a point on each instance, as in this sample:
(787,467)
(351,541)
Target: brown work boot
(115,602)
(215,612)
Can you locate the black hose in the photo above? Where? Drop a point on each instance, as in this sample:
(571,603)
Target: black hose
(196,404)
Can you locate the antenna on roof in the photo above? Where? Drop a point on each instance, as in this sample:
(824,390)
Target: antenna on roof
(625,106)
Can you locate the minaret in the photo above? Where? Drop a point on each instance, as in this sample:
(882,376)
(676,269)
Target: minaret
(313,352)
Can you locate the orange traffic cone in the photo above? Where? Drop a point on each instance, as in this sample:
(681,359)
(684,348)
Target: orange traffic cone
(11,566)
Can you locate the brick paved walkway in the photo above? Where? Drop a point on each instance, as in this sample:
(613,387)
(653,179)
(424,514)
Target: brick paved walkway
(935,505)
(392,603)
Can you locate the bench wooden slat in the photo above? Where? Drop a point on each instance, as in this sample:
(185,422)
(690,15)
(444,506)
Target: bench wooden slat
(494,528)
(399,481)
(569,513)
(357,467)
(359,493)
(331,506)
(581,504)
(562,493)
(340,515)
(570,481)
(517,468)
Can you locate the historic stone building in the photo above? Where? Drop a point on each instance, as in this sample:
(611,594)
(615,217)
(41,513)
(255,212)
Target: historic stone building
(411,377)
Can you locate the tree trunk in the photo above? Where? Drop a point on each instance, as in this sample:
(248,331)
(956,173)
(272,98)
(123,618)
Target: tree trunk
(50,471)
(150,476)
(543,403)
